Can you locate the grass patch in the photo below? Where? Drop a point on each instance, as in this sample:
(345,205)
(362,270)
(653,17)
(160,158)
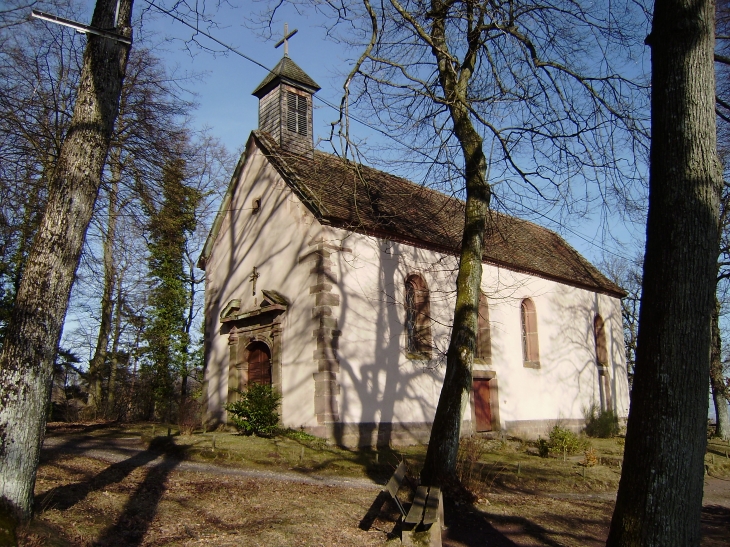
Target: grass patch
(717,459)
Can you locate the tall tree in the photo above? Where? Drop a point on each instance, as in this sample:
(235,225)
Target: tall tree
(34,328)
(660,492)
(150,126)
(446,77)
(39,70)
(167,337)
(718,380)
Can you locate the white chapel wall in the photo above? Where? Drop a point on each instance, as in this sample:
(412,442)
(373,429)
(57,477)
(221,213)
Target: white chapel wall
(380,384)
(272,240)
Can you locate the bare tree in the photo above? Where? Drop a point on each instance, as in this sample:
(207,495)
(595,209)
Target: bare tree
(39,70)
(34,328)
(660,492)
(151,123)
(627,275)
(515,93)
(718,381)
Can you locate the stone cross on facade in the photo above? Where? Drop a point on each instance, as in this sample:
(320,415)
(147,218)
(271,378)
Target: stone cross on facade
(253,277)
(285,39)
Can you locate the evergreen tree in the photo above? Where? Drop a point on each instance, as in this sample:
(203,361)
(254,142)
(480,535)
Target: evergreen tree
(166,336)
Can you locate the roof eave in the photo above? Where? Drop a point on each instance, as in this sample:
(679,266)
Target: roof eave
(262,90)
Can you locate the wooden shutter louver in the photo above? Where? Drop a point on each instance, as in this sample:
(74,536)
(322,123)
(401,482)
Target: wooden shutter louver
(302,115)
(296,114)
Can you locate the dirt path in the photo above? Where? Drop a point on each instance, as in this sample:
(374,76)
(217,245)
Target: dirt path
(94,491)
(119,450)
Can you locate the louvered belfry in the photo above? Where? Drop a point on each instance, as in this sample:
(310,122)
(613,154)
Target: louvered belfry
(285,107)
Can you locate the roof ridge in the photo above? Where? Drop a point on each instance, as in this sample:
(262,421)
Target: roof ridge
(361,198)
(439,193)
(261,137)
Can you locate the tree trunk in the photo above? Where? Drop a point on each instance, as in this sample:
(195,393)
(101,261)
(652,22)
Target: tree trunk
(111,400)
(717,379)
(185,372)
(440,464)
(96,365)
(660,492)
(26,360)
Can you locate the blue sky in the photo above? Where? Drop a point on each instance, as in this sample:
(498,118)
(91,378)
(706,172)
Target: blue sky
(227,107)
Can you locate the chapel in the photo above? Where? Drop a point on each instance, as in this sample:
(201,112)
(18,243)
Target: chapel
(335,283)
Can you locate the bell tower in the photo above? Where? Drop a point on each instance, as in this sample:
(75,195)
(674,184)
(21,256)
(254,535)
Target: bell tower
(285,104)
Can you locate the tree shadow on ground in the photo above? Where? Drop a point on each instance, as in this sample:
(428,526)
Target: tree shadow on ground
(468,526)
(141,508)
(471,527)
(715,526)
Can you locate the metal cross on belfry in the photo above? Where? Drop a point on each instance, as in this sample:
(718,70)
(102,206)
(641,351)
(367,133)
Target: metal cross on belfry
(285,39)
(254,276)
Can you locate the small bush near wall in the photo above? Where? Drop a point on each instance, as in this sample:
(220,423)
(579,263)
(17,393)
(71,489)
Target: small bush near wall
(257,411)
(468,468)
(190,418)
(601,423)
(563,441)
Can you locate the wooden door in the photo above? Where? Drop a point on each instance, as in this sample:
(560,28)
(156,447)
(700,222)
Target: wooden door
(482,406)
(259,364)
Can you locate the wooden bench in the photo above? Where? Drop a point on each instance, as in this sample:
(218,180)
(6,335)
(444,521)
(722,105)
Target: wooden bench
(390,489)
(422,525)
(423,521)
(394,484)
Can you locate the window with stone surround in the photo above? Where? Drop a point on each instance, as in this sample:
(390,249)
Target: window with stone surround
(418,319)
(530,348)
(484,338)
(604,379)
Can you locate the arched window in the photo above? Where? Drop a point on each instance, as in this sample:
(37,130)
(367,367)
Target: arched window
(599,334)
(418,319)
(604,381)
(530,348)
(484,337)
(259,364)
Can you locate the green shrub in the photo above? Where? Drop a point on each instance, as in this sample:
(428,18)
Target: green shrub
(563,440)
(601,423)
(257,411)
(543,448)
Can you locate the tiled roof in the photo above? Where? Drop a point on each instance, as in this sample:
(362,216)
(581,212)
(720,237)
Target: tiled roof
(366,200)
(290,72)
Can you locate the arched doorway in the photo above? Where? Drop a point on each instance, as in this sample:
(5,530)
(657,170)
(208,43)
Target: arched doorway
(259,363)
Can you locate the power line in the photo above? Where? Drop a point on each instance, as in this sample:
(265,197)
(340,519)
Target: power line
(562,226)
(372,127)
(254,61)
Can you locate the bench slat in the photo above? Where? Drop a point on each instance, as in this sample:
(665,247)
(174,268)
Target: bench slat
(419,503)
(396,480)
(432,506)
